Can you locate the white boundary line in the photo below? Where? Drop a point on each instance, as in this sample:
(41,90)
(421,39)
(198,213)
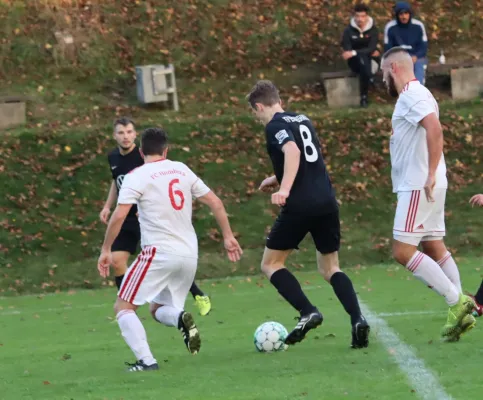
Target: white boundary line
(421,378)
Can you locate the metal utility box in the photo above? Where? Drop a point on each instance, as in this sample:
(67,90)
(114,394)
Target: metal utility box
(156,83)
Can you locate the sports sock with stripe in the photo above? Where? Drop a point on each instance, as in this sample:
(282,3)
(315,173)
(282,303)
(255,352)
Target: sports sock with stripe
(430,273)
(450,269)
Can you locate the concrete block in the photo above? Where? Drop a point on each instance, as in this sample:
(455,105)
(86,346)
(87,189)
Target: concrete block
(12,114)
(342,92)
(466,83)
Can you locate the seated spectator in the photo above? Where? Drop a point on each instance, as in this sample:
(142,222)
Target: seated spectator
(359,43)
(409,33)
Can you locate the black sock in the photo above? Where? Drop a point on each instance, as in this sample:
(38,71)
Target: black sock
(346,294)
(479,295)
(289,287)
(119,281)
(195,290)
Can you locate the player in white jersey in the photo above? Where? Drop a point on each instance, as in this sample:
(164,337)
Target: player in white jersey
(419,179)
(162,274)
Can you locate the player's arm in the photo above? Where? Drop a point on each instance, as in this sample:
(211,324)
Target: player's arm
(115,224)
(218,209)
(111,199)
(290,169)
(434,138)
(130,193)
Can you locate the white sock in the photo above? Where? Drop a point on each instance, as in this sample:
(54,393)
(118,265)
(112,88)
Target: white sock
(135,336)
(429,272)
(450,269)
(168,315)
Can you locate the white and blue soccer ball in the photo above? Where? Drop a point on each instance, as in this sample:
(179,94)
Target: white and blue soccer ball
(270,337)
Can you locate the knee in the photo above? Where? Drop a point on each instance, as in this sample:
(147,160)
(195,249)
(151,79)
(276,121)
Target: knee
(327,272)
(268,267)
(153,307)
(400,255)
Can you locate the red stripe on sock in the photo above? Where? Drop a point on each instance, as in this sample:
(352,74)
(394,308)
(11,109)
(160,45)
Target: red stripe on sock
(444,259)
(414,264)
(417,264)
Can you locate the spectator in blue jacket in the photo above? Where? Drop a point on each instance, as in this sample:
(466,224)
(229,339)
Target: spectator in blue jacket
(409,33)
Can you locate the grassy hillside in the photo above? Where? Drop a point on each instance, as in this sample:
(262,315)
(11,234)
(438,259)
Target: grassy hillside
(205,38)
(55,178)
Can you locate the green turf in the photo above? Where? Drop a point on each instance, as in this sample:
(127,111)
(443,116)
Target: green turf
(68,346)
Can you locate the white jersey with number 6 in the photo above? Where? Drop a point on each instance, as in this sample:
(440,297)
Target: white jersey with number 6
(409,148)
(163,191)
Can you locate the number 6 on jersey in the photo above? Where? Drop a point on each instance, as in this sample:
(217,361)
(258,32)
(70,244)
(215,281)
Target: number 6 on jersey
(179,195)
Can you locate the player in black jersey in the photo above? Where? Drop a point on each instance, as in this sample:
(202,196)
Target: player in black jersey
(123,159)
(308,205)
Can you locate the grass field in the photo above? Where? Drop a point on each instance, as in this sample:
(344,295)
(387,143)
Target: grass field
(68,346)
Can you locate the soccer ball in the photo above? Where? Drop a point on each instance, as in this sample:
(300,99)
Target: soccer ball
(269,337)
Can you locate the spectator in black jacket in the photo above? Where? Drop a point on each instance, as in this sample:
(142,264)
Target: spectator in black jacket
(359,43)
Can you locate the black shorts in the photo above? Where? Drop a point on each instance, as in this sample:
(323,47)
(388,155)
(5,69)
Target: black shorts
(128,238)
(290,229)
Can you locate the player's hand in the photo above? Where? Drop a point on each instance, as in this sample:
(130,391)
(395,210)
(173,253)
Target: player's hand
(105,260)
(429,187)
(233,249)
(477,200)
(280,198)
(347,54)
(104,215)
(268,183)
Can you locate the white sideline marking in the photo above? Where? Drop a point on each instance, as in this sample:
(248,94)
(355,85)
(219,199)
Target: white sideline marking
(409,313)
(422,379)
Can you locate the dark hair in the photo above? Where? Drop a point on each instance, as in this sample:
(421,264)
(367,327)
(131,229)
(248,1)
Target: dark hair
(264,92)
(361,7)
(154,141)
(124,121)
(394,50)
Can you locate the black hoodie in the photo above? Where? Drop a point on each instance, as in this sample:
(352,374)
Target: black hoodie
(362,41)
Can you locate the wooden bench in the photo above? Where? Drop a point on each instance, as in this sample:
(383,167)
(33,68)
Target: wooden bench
(13,110)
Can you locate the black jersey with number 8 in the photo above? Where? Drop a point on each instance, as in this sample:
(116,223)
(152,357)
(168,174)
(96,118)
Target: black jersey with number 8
(312,192)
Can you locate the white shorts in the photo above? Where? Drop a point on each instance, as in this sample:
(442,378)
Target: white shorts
(418,220)
(160,278)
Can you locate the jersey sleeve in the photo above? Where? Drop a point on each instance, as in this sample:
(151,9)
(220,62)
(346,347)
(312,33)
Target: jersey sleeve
(131,190)
(278,134)
(418,111)
(199,188)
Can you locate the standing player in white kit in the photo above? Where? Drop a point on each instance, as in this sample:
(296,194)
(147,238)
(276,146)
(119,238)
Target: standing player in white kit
(164,271)
(419,179)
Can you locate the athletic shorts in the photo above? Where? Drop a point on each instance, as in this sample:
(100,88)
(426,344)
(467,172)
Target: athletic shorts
(417,219)
(160,278)
(128,238)
(290,229)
